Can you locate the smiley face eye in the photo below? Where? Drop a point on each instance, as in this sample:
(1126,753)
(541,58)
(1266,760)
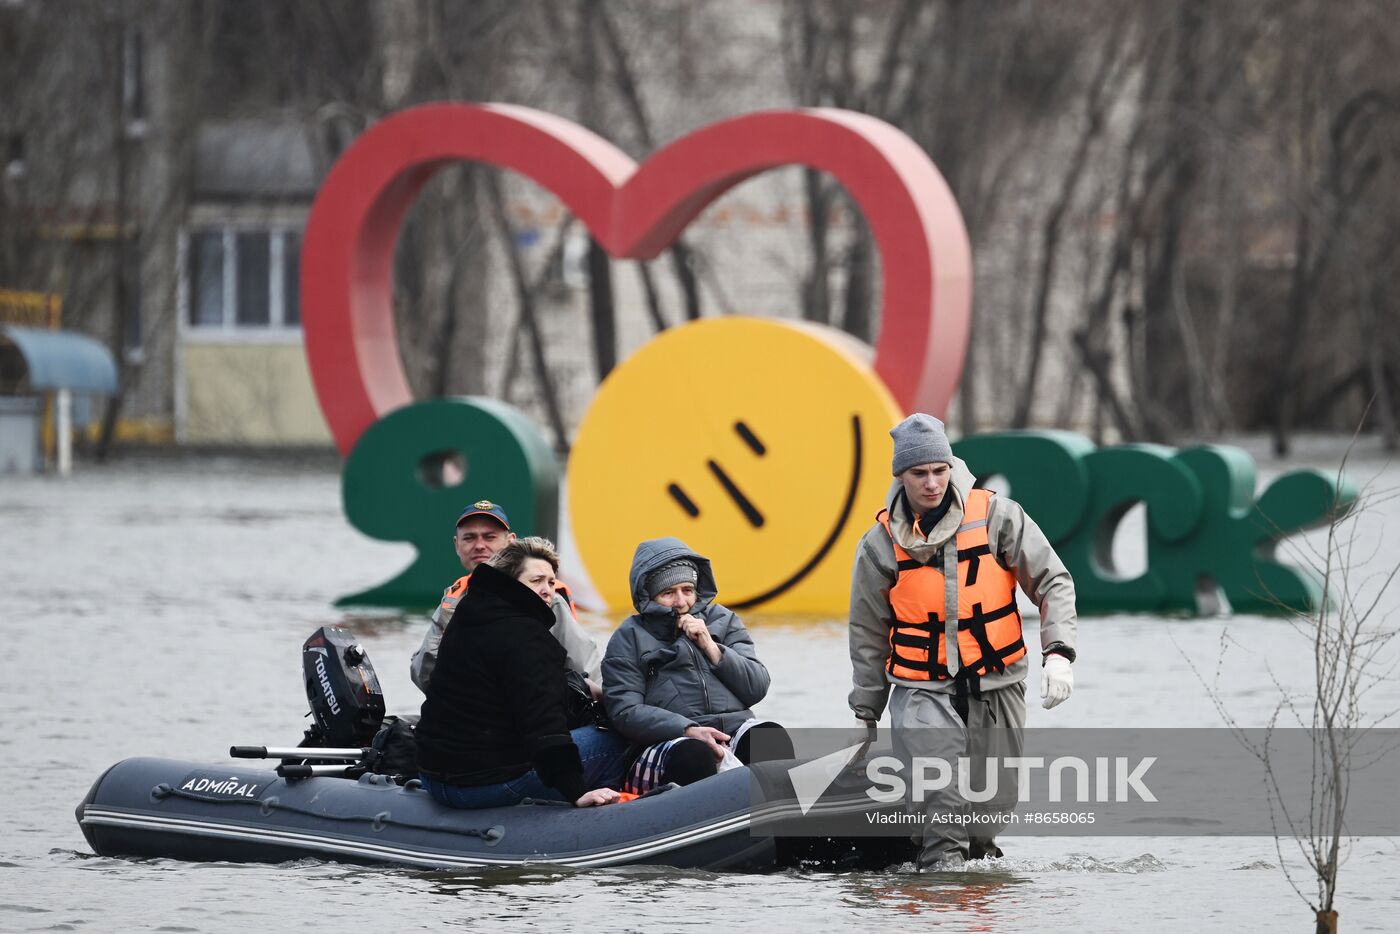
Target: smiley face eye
(746,506)
(685,502)
(750,438)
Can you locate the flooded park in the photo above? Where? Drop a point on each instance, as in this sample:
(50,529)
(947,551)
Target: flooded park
(157,607)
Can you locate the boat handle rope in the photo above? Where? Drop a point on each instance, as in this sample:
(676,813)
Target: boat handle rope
(489,835)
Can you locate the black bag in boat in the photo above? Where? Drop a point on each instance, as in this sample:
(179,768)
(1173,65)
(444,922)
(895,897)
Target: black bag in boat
(583,709)
(395,749)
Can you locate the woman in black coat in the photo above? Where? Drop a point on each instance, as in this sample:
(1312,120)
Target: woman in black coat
(494,729)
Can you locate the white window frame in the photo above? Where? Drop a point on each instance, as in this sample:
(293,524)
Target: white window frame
(228,330)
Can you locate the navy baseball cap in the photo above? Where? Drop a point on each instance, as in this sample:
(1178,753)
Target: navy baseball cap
(484,507)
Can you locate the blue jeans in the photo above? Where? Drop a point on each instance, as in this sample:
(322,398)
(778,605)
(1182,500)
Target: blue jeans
(600,750)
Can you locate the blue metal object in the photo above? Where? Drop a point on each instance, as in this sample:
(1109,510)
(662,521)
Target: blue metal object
(64,360)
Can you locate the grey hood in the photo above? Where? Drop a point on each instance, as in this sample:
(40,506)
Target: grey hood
(922,549)
(656,683)
(657,552)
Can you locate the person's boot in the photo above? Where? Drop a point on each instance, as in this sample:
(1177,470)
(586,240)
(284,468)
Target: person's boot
(931,860)
(773,745)
(983,849)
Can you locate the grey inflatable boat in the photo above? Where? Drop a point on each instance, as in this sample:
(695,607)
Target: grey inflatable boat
(148,807)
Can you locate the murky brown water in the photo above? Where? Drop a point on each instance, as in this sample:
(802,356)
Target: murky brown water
(158,608)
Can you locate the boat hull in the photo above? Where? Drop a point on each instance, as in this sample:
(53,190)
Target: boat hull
(149,807)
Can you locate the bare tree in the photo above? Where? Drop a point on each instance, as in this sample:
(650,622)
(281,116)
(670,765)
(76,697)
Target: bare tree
(1350,634)
(682,258)
(1180,213)
(1100,96)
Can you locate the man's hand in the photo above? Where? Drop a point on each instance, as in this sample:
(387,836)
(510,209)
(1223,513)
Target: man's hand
(595,797)
(695,630)
(717,740)
(594,689)
(1056,681)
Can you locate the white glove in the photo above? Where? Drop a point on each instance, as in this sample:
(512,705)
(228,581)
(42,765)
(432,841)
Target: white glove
(1056,681)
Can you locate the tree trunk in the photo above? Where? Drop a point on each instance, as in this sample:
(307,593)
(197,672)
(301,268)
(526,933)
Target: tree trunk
(632,98)
(120,297)
(658,321)
(1098,101)
(682,264)
(1098,363)
(1374,353)
(526,300)
(860,276)
(816,298)
(600,293)
(551,262)
(1286,376)
(600,304)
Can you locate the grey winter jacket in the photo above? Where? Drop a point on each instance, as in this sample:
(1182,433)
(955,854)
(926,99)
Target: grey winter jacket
(657,684)
(1017,544)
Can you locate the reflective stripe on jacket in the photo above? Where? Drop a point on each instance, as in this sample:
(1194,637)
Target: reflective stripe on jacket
(989,624)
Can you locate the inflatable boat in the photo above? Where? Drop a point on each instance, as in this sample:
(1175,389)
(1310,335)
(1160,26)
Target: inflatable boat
(180,810)
(356,804)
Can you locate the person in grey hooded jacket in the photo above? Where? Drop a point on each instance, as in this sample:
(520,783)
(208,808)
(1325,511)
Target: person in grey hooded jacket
(683,667)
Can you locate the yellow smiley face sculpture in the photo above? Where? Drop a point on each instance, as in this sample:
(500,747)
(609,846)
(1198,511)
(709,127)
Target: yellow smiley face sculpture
(764,445)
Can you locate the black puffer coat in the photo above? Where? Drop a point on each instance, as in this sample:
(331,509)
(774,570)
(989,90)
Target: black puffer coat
(497,704)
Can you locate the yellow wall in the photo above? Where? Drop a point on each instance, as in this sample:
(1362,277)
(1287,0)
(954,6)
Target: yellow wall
(253,393)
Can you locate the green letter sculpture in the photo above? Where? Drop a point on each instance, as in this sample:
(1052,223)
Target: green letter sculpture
(507,460)
(1234,546)
(1205,530)
(1120,478)
(1044,468)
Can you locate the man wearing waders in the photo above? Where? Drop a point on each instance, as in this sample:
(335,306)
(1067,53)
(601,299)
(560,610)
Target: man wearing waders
(933,614)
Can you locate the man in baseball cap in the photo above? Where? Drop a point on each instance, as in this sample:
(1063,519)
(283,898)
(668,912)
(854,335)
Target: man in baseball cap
(482,530)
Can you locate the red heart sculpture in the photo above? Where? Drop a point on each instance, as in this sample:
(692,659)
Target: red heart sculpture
(634,212)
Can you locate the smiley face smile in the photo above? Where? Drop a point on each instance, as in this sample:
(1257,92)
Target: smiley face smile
(831,538)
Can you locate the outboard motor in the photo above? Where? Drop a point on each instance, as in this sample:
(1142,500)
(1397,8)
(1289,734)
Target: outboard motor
(347,704)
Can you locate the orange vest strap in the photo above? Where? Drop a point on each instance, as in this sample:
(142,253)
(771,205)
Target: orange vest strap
(563,590)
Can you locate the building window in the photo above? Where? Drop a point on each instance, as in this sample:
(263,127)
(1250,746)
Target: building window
(244,280)
(207,280)
(254,281)
(291,284)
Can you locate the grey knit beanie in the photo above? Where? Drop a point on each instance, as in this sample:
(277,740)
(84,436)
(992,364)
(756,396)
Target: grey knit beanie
(919,439)
(681,571)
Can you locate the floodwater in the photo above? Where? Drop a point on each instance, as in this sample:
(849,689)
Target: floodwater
(158,608)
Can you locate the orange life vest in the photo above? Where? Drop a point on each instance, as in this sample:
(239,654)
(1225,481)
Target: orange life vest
(454,594)
(989,625)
